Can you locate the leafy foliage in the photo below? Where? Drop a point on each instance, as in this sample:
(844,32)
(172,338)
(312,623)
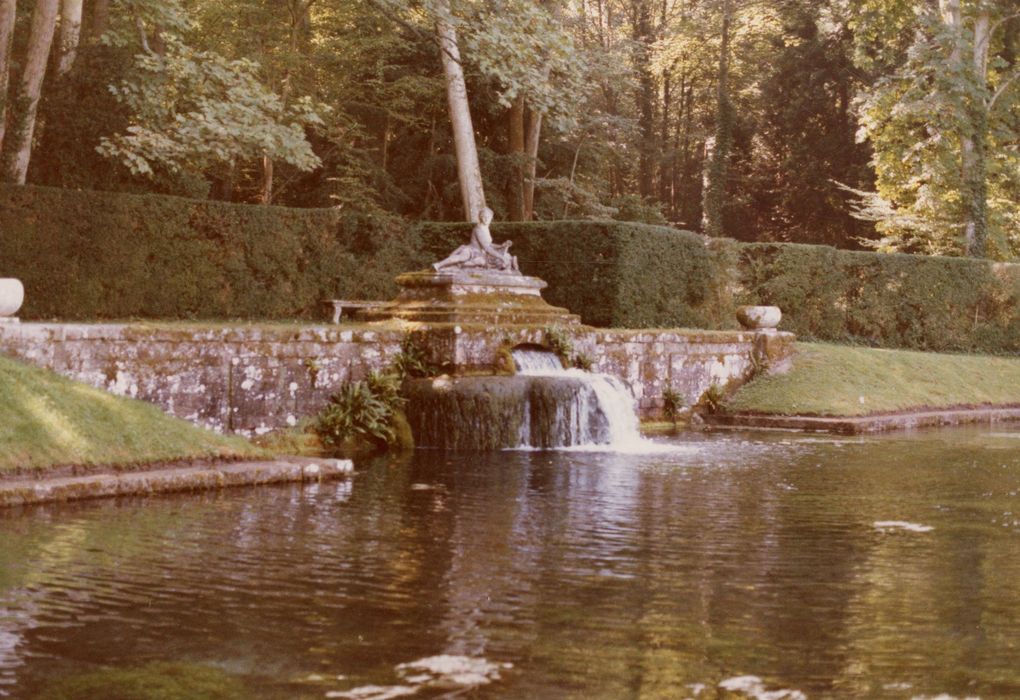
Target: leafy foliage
(941,123)
(558,342)
(345,100)
(712,400)
(413,360)
(522,46)
(362,409)
(193,110)
(581,360)
(672,402)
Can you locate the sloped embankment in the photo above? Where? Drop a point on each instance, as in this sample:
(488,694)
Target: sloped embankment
(48,421)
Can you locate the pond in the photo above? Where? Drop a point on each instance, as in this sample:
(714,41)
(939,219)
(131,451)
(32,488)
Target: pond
(771,565)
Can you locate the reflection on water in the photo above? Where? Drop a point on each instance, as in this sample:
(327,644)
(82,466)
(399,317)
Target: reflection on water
(749,562)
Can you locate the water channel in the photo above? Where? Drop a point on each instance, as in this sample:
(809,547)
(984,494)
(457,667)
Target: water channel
(820,566)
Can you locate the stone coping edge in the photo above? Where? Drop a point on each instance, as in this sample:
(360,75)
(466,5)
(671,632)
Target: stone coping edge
(31,491)
(857,425)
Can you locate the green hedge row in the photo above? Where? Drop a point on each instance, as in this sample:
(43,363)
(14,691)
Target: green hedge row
(89,255)
(611,273)
(901,301)
(95,255)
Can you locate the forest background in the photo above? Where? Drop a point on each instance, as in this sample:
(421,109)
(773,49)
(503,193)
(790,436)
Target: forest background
(889,124)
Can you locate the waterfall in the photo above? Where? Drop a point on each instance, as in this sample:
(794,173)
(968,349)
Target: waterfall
(535,360)
(543,406)
(602,411)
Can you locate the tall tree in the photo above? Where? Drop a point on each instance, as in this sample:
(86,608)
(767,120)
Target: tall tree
(70,33)
(298,34)
(805,134)
(933,123)
(469,172)
(8,13)
(644,37)
(18,141)
(522,47)
(718,148)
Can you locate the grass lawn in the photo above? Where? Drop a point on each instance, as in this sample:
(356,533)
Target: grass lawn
(47,420)
(835,380)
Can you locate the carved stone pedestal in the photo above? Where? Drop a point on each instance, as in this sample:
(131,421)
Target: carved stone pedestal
(487,297)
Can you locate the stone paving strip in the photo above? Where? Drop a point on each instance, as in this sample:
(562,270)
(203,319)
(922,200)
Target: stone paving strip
(31,490)
(855,425)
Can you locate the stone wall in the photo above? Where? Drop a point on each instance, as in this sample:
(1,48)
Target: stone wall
(251,379)
(244,379)
(688,362)
(649,361)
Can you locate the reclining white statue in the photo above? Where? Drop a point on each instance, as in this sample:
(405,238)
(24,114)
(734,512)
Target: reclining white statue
(480,253)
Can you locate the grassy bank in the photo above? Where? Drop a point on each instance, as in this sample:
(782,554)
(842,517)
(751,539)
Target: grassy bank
(833,380)
(47,421)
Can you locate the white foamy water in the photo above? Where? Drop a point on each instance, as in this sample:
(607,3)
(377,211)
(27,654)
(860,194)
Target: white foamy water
(901,525)
(753,687)
(611,397)
(444,672)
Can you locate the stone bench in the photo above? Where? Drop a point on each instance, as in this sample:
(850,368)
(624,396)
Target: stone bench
(348,307)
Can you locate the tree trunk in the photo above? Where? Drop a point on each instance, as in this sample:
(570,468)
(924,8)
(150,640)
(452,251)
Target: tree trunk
(515,119)
(717,157)
(8,9)
(646,96)
(531,138)
(469,172)
(974,126)
(70,32)
(975,163)
(100,19)
(40,38)
(664,142)
(266,188)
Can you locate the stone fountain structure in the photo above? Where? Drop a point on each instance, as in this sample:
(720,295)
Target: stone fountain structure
(469,313)
(474,310)
(472,305)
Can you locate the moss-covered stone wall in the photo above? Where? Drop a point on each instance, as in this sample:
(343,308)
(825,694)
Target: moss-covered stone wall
(251,379)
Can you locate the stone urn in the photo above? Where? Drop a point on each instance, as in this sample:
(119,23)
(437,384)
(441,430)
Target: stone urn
(758,318)
(12,295)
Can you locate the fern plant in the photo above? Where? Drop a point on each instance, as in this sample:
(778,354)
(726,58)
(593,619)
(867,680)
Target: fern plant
(712,400)
(413,361)
(559,343)
(364,410)
(582,361)
(671,403)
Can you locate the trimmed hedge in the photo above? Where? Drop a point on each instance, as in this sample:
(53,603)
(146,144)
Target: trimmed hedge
(613,274)
(92,255)
(901,301)
(99,255)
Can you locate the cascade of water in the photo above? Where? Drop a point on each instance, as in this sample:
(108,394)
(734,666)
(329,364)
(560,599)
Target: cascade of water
(602,412)
(530,360)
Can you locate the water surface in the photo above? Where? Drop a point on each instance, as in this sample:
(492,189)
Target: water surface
(826,566)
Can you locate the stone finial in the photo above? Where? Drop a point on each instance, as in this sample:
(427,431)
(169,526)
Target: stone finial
(759,317)
(12,296)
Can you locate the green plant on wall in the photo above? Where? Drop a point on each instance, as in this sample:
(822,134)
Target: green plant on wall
(582,360)
(672,401)
(413,360)
(558,342)
(712,400)
(760,365)
(362,410)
